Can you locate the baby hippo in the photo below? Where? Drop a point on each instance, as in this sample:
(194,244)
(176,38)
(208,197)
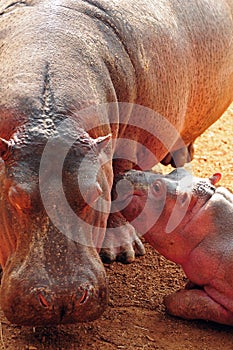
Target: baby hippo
(190,222)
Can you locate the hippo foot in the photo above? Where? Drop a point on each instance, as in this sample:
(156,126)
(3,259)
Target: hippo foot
(197,304)
(121,242)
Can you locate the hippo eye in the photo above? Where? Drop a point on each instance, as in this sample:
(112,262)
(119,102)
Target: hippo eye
(19,198)
(157,188)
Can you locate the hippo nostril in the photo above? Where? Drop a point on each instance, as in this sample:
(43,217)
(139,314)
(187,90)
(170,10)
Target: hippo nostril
(84,297)
(43,301)
(86,293)
(62,313)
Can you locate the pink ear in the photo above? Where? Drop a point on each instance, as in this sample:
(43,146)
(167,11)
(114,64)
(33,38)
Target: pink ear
(215,178)
(102,141)
(4,146)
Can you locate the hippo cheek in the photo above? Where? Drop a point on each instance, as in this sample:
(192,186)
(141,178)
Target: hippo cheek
(180,212)
(42,292)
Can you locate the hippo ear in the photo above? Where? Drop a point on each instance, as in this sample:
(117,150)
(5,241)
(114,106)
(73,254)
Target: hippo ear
(215,178)
(102,141)
(4,146)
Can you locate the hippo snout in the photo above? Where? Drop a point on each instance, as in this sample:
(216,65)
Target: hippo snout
(49,285)
(47,305)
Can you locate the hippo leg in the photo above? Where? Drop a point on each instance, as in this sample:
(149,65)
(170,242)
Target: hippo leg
(196,304)
(121,242)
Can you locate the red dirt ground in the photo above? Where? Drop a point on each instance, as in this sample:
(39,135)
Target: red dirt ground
(135,318)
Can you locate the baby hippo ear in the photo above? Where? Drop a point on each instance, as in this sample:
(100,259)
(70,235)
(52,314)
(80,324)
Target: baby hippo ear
(102,141)
(4,147)
(215,178)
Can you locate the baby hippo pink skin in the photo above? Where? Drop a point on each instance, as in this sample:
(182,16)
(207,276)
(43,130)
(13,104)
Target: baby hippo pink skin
(193,227)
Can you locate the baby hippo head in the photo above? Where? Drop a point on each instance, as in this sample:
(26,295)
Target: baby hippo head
(147,199)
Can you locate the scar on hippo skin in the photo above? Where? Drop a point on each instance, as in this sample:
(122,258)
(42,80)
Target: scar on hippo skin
(48,114)
(200,243)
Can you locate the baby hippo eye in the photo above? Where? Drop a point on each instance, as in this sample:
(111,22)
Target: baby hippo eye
(19,198)
(158,188)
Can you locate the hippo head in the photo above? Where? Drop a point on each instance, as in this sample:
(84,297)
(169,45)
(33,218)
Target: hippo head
(52,272)
(159,206)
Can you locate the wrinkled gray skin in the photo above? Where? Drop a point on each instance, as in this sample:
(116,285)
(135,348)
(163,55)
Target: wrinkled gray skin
(193,226)
(57,58)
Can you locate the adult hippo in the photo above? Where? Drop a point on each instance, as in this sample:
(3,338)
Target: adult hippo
(152,74)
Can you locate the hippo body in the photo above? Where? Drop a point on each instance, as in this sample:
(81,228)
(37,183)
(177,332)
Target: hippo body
(200,241)
(80,61)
